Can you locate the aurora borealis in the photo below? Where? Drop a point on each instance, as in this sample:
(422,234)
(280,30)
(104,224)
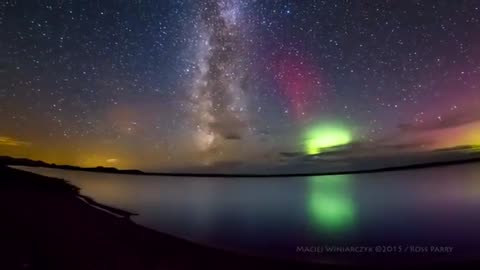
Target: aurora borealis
(161,85)
(326,136)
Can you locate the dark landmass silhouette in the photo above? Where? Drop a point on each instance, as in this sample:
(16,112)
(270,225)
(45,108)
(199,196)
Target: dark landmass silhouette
(6,160)
(459,148)
(440,157)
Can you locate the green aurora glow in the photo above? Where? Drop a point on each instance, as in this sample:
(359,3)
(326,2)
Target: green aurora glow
(325,136)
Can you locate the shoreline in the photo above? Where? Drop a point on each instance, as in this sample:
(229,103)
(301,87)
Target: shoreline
(49,225)
(414,166)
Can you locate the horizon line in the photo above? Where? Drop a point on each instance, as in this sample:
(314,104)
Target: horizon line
(113,170)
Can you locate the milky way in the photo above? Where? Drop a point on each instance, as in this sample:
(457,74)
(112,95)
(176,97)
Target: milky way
(181,84)
(218,101)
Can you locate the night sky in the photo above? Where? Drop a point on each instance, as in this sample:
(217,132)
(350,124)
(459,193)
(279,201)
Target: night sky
(171,84)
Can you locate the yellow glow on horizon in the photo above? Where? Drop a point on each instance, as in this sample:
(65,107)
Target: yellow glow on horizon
(112,160)
(467,135)
(8,141)
(96,160)
(475,135)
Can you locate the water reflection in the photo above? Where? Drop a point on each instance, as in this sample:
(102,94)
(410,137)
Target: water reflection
(437,206)
(330,203)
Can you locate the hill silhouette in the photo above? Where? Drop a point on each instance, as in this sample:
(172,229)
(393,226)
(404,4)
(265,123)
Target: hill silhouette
(449,156)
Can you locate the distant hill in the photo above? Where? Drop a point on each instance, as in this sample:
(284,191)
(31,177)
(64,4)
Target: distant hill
(460,148)
(447,157)
(6,160)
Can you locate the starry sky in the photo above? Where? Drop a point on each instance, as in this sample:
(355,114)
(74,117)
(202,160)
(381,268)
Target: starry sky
(170,84)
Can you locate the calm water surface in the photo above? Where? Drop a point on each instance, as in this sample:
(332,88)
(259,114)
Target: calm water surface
(409,211)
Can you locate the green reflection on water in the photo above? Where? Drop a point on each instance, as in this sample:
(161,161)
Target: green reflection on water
(330,202)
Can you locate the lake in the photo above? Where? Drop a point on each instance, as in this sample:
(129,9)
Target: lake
(424,214)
